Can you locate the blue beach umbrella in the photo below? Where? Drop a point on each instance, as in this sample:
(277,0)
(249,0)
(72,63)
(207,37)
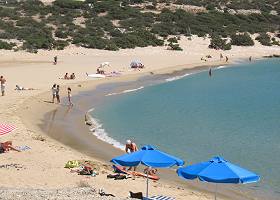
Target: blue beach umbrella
(148,156)
(218,170)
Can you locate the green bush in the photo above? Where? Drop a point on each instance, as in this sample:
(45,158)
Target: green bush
(173,40)
(242,40)
(217,42)
(6,45)
(175,47)
(264,39)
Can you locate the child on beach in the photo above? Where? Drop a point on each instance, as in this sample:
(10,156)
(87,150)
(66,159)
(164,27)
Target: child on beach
(69,96)
(53,92)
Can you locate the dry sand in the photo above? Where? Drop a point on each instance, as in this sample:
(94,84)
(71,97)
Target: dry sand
(43,165)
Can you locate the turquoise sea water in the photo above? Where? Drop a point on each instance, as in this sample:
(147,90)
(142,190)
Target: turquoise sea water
(234,114)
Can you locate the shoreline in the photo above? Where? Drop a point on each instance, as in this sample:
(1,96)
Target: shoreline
(43,165)
(168,177)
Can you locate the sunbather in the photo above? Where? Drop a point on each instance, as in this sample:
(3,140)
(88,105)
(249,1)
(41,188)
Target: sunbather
(22,88)
(7,146)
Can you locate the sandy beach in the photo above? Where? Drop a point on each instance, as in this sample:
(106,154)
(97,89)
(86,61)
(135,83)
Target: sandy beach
(42,167)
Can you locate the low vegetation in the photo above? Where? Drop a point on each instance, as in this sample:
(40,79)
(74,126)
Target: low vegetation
(116,24)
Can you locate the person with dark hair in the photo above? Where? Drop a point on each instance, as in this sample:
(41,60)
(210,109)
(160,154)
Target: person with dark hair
(69,96)
(57,94)
(54,89)
(55,60)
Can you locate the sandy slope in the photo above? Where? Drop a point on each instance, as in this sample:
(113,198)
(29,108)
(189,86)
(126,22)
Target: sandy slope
(42,166)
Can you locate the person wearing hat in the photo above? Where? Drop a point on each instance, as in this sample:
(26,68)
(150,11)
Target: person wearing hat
(130,147)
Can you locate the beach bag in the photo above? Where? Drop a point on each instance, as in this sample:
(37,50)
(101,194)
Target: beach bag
(72,164)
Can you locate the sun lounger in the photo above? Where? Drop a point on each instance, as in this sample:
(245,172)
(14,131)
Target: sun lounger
(158,197)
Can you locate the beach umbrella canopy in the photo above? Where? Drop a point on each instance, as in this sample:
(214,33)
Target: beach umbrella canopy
(218,170)
(6,128)
(148,156)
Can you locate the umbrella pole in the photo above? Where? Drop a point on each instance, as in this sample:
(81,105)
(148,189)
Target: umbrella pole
(216,191)
(147,189)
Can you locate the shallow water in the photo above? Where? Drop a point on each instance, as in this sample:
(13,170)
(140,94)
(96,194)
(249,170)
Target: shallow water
(234,114)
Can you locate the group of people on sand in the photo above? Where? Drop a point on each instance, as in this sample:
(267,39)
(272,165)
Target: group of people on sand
(131,147)
(56,95)
(71,77)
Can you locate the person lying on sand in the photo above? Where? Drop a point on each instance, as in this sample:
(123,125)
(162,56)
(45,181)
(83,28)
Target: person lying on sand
(23,88)
(7,146)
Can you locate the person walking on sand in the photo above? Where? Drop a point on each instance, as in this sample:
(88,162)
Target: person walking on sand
(221,56)
(57,94)
(130,147)
(226,59)
(250,58)
(54,91)
(69,96)
(55,60)
(3,85)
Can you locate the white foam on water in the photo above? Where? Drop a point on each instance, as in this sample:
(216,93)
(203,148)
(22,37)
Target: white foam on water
(100,132)
(125,91)
(221,67)
(176,77)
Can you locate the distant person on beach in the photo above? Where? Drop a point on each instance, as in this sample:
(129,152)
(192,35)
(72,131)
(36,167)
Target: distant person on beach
(69,96)
(57,94)
(226,59)
(55,60)
(250,58)
(210,72)
(53,92)
(66,76)
(130,147)
(72,76)
(23,88)
(221,56)
(3,85)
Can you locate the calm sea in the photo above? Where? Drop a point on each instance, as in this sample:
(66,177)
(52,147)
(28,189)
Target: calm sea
(234,114)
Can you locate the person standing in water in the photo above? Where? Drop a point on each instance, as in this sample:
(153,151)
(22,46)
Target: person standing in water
(210,72)
(69,96)
(130,147)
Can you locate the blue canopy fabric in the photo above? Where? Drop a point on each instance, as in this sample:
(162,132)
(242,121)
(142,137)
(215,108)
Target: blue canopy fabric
(218,170)
(149,156)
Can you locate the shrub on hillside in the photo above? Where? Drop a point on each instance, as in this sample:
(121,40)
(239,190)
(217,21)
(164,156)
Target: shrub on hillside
(217,42)
(6,45)
(264,39)
(242,40)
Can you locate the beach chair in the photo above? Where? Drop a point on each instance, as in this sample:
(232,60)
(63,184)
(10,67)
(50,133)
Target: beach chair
(158,197)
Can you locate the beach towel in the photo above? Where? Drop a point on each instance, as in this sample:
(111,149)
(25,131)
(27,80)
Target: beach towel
(72,164)
(23,148)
